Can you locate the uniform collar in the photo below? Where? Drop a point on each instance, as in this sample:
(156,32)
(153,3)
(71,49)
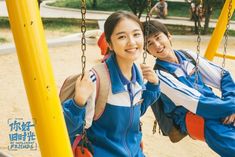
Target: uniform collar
(172,67)
(117,79)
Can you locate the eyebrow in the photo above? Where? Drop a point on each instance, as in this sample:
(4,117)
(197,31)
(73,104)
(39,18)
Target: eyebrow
(135,30)
(156,35)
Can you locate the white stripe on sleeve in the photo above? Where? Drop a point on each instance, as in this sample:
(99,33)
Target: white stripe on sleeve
(178,92)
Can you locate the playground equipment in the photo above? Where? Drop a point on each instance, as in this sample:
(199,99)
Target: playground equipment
(40,86)
(219,30)
(38,76)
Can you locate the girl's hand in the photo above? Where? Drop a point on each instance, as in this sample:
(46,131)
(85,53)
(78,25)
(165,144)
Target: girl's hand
(83,89)
(149,74)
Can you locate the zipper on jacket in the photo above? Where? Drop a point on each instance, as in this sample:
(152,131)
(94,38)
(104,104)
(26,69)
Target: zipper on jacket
(130,91)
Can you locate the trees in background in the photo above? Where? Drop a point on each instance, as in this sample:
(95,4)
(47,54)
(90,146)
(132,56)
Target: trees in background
(137,6)
(208,7)
(203,9)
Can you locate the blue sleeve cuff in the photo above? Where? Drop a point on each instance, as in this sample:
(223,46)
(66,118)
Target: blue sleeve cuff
(78,105)
(72,106)
(152,87)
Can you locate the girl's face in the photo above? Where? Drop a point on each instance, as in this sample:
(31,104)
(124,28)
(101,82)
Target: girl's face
(159,45)
(127,40)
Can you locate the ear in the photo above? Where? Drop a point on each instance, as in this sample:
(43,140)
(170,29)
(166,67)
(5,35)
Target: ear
(169,36)
(110,46)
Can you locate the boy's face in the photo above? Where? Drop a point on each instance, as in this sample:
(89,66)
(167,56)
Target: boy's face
(159,45)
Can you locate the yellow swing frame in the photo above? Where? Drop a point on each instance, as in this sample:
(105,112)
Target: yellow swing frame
(218,33)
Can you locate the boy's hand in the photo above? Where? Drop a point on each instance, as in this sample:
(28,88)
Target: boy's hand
(83,89)
(149,74)
(229,119)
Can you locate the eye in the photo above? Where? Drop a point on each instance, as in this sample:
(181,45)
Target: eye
(137,34)
(149,44)
(158,37)
(121,37)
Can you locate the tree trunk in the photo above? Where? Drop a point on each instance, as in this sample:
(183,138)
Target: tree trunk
(94,5)
(137,6)
(208,13)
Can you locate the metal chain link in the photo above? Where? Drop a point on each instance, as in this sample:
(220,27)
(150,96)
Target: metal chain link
(198,52)
(83,39)
(226,36)
(83,57)
(146,31)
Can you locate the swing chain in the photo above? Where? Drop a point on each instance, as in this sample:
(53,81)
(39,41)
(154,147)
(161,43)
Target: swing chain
(198,54)
(198,51)
(226,36)
(146,31)
(83,47)
(84,138)
(83,39)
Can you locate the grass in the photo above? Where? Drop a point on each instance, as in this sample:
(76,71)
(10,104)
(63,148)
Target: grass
(67,25)
(57,24)
(73,25)
(107,5)
(54,24)
(4,22)
(3,40)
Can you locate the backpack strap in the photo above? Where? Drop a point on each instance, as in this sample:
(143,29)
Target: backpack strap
(103,84)
(76,142)
(159,67)
(67,90)
(188,56)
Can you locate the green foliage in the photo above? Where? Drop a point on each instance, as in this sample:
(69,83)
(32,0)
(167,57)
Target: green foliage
(3,40)
(175,8)
(107,5)
(4,22)
(138,6)
(217,4)
(178,9)
(66,3)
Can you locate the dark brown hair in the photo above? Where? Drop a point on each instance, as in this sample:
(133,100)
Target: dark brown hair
(156,27)
(114,19)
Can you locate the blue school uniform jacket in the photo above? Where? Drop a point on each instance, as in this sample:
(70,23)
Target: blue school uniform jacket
(180,94)
(117,132)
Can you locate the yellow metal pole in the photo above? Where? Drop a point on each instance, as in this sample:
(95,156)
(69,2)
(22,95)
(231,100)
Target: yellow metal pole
(226,56)
(36,69)
(218,31)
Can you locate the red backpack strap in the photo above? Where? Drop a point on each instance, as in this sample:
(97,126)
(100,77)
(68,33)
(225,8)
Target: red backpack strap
(76,142)
(103,85)
(79,151)
(195,126)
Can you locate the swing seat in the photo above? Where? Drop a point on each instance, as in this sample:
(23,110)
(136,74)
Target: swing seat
(78,151)
(195,126)
(82,152)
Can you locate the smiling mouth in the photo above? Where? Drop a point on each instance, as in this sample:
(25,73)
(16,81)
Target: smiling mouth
(131,50)
(161,51)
